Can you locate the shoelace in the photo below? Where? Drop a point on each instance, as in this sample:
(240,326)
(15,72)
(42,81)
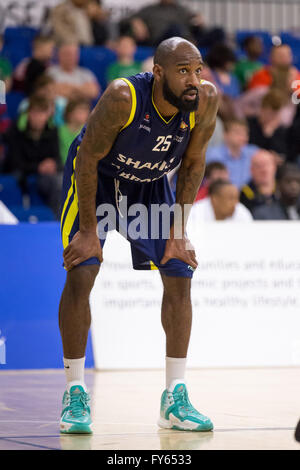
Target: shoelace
(78,404)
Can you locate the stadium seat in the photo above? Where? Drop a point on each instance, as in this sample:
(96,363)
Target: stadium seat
(35,198)
(97,59)
(17,43)
(13,100)
(10,192)
(33,214)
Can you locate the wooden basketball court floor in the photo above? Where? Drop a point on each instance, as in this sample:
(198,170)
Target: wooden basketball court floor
(251,409)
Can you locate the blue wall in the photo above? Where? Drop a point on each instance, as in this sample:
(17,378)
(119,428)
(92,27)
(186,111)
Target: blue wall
(31,282)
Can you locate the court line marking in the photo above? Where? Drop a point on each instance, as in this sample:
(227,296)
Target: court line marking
(166,433)
(29,444)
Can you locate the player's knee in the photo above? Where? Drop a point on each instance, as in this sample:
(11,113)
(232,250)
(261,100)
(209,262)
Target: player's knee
(80,280)
(177,291)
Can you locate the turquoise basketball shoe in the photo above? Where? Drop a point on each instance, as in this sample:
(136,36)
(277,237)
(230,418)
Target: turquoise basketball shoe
(177,412)
(76,413)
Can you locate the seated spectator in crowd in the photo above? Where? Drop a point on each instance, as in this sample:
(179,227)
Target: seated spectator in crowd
(33,148)
(71,80)
(246,67)
(156,22)
(7,217)
(45,86)
(222,203)
(221,62)
(76,115)
(287,206)
(293,139)
(266,130)
(31,68)
(280,73)
(235,153)
(5,69)
(125,64)
(206,36)
(213,171)
(71,23)
(262,186)
(99,21)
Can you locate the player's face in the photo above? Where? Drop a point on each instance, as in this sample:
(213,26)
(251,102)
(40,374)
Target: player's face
(181,82)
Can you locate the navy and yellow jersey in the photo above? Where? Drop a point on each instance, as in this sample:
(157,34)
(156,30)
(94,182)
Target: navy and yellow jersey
(146,149)
(148,146)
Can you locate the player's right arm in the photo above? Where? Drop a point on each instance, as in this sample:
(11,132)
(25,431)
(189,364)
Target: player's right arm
(105,122)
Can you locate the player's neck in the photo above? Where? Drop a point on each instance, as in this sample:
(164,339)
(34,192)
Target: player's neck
(164,107)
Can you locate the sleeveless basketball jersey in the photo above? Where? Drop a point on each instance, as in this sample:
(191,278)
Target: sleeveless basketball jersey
(148,146)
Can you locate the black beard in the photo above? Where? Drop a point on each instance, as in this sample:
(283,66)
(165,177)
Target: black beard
(179,102)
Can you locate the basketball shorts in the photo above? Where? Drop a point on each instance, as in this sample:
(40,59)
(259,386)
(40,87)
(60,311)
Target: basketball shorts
(128,208)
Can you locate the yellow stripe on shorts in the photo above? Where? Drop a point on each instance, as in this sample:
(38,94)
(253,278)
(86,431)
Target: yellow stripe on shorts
(152,266)
(72,211)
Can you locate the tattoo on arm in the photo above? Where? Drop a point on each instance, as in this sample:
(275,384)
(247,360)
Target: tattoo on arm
(104,124)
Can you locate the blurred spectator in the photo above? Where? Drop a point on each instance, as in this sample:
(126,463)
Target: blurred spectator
(6,217)
(33,148)
(76,115)
(221,62)
(213,171)
(45,86)
(261,188)
(147,64)
(156,22)
(287,206)
(245,68)
(280,73)
(71,80)
(125,64)
(218,135)
(71,23)
(5,69)
(99,21)
(31,68)
(293,139)
(205,36)
(266,130)
(235,153)
(222,203)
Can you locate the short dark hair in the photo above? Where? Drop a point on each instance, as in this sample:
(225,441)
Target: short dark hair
(287,169)
(228,123)
(73,104)
(274,99)
(210,167)
(219,55)
(40,39)
(215,187)
(38,102)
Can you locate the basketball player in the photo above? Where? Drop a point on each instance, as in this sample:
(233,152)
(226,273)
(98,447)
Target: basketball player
(141,128)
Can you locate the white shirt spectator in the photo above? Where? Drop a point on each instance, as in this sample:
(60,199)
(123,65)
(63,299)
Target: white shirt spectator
(78,76)
(202,211)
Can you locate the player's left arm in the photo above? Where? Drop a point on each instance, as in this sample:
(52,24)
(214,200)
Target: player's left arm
(191,173)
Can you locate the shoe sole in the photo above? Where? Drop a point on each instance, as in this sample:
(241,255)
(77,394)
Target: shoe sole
(183,426)
(69,428)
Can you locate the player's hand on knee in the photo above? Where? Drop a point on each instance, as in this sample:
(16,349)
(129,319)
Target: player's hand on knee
(83,246)
(180,249)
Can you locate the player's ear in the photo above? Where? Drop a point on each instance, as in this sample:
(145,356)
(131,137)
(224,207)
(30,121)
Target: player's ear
(157,72)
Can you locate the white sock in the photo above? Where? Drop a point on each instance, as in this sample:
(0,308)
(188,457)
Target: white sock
(175,369)
(74,369)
